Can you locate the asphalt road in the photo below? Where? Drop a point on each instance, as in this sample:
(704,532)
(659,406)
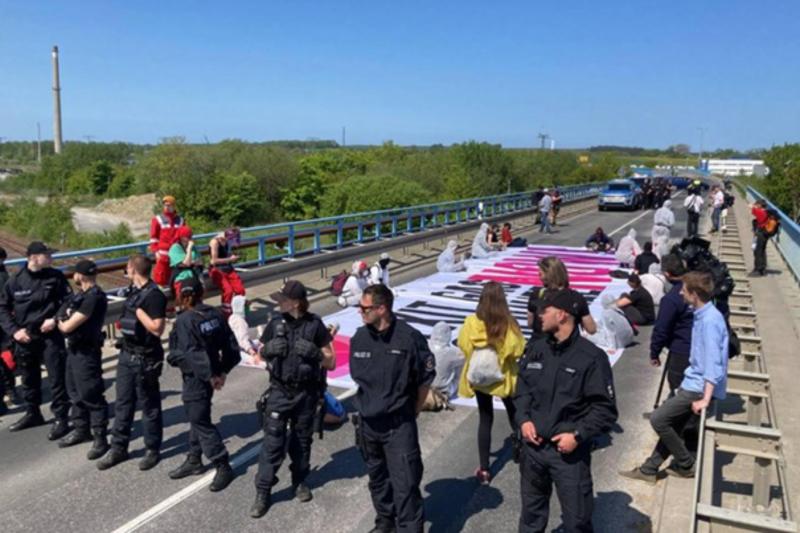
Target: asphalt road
(45,488)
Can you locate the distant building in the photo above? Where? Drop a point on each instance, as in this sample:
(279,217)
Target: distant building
(736,167)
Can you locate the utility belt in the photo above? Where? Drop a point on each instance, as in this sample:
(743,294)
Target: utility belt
(391,420)
(296,387)
(136,351)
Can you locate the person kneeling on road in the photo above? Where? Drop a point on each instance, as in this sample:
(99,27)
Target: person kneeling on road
(204,348)
(638,304)
(705,380)
(298,348)
(599,241)
(357,281)
(81,320)
(564,398)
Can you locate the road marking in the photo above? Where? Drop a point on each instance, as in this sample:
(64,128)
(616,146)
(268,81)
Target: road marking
(183,494)
(647,212)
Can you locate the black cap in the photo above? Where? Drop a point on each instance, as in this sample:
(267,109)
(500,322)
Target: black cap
(38,247)
(86,267)
(292,290)
(564,299)
(191,286)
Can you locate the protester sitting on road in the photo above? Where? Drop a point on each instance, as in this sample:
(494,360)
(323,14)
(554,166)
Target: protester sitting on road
(493,238)
(356,283)
(705,380)
(184,260)
(379,272)
(447,261)
(449,360)
(643,261)
(655,283)
(509,240)
(553,275)
(599,241)
(240,328)
(491,334)
(614,331)
(222,272)
(628,249)
(637,304)
(481,248)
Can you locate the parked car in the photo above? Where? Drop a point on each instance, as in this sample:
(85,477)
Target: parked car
(625,194)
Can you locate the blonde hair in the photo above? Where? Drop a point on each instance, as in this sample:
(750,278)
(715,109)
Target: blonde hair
(554,273)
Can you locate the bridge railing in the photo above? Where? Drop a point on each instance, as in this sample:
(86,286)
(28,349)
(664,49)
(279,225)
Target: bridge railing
(286,240)
(788,239)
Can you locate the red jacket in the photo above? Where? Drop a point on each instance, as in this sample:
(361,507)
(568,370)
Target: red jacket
(163,229)
(760,215)
(505,236)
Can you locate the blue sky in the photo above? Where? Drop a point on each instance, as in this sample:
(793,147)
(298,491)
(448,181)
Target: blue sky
(416,72)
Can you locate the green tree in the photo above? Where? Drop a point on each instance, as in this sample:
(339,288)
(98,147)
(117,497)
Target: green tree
(372,193)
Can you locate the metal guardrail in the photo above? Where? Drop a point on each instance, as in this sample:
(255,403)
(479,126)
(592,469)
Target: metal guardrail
(293,239)
(758,438)
(788,238)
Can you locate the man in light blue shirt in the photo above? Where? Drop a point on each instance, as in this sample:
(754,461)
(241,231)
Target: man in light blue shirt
(705,379)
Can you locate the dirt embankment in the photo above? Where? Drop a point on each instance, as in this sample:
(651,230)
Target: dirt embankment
(134,211)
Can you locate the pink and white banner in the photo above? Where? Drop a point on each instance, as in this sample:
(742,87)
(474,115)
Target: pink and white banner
(450,297)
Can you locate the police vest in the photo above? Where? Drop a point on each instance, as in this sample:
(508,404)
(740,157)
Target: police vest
(292,369)
(133,331)
(206,321)
(82,337)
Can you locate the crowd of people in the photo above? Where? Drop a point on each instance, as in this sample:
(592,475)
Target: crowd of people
(556,386)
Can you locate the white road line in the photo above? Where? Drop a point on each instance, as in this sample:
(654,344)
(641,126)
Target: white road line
(183,494)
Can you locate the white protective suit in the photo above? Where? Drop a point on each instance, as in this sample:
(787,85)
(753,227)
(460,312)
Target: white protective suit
(379,275)
(655,283)
(241,330)
(481,248)
(614,332)
(355,285)
(449,359)
(663,220)
(628,249)
(447,259)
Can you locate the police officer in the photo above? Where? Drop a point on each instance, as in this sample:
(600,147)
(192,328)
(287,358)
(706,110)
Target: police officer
(393,367)
(203,346)
(564,398)
(297,347)
(28,305)
(81,320)
(140,363)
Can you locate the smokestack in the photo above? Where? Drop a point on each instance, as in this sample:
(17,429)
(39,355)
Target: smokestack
(56,104)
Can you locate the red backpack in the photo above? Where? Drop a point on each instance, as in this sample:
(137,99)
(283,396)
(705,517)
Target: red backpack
(338,281)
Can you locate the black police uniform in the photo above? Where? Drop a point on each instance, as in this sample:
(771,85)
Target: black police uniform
(7,378)
(562,387)
(27,300)
(203,346)
(140,364)
(84,362)
(296,386)
(389,368)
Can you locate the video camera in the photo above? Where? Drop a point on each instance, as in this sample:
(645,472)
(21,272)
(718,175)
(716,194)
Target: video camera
(696,254)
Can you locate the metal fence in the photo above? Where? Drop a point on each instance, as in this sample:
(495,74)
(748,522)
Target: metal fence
(788,238)
(286,240)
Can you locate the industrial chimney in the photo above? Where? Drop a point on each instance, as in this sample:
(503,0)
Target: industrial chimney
(56,104)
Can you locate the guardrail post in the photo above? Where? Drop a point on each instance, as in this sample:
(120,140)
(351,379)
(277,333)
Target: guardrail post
(394,226)
(290,241)
(317,243)
(339,234)
(262,252)
(360,237)
(409,223)
(458,214)
(378,227)
(761,484)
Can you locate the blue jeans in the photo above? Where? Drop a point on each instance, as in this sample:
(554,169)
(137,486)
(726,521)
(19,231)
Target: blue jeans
(715,217)
(545,221)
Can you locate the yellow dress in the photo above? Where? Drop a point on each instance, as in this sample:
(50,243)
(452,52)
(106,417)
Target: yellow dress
(473,335)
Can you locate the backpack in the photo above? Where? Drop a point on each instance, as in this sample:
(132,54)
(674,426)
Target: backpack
(773,223)
(337,283)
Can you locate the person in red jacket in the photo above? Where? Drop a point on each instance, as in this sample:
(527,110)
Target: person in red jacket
(222,272)
(760,219)
(163,234)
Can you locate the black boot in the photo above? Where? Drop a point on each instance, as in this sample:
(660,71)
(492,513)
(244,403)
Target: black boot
(192,466)
(223,477)
(60,429)
(302,492)
(30,419)
(261,505)
(99,447)
(76,436)
(151,458)
(112,458)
